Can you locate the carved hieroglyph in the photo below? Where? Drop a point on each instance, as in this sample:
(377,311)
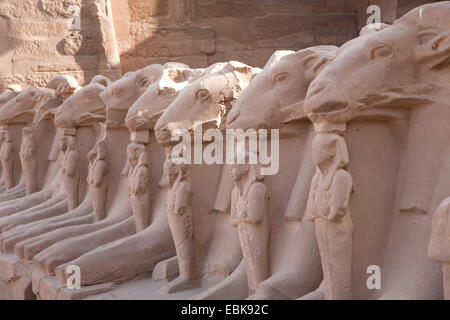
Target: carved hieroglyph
(328,207)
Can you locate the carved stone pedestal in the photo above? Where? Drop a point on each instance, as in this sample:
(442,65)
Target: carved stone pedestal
(15,283)
(49,288)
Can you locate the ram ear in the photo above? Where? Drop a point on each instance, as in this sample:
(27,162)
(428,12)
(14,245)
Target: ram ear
(101,80)
(276,57)
(37,95)
(142,81)
(148,75)
(372,28)
(62,84)
(244,74)
(242,71)
(15,87)
(434,48)
(192,74)
(312,60)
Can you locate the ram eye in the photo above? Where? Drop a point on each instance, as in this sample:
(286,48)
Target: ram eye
(89,95)
(144,83)
(202,94)
(116,92)
(382,51)
(309,62)
(281,77)
(427,35)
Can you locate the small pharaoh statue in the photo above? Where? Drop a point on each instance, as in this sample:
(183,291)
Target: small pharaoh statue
(328,202)
(139,180)
(70,169)
(27,155)
(98,169)
(180,216)
(439,246)
(249,203)
(6,158)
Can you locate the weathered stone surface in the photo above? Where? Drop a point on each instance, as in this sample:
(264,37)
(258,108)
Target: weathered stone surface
(11,267)
(198,32)
(35,38)
(19,9)
(363,123)
(240,28)
(58,8)
(142,9)
(166,270)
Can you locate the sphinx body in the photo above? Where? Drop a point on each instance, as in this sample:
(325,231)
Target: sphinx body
(42,124)
(16,114)
(279,105)
(39,168)
(392,113)
(138,254)
(70,243)
(400,108)
(48,209)
(207,101)
(114,221)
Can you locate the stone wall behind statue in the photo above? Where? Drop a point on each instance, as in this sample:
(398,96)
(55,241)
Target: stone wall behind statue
(201,32)
(37,41)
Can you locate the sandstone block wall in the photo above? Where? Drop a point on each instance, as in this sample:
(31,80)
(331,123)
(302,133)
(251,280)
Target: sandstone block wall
(201,32)
(37,41)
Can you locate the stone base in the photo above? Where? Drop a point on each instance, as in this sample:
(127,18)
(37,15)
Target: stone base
(166,270)
(144,289)
(16,289)
(49,288)
(15,282)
